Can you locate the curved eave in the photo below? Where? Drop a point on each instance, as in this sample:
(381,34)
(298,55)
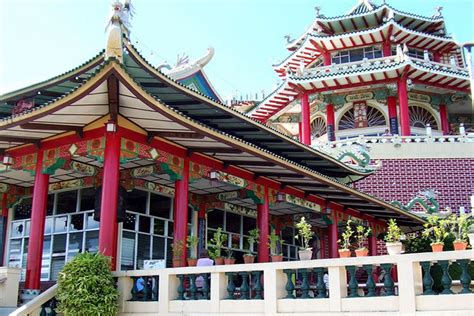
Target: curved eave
(348,195)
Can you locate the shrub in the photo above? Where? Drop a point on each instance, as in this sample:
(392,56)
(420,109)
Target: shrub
(86,287)
(394,233)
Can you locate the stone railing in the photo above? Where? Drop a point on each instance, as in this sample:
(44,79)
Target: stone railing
(43,305)
(9,280)
(335,286)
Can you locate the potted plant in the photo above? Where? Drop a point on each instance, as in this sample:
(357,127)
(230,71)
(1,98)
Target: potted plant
(229,259)
(459,228)
(178,248)
(86,286)
(273,240)
(436,230)
(249,257)
(345,242)
(393,238)
(192,243)
(304,235)
(362,233)
(217,243)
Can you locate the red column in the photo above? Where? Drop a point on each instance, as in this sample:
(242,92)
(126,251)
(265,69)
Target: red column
(327,58)
(392,114)
(330,123)
(305,120)
(4,223)
(108,229)
(322,239)
(436,57)
(201,228)
(300,132)
(373,241)
(181,209)
(333,236)
(387,49)
(263,217)
(403,103)
(443,113)
(38,217)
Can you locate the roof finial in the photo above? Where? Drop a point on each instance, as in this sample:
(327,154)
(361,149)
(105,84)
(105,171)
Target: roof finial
(318,10)
(288,38)
(118,27)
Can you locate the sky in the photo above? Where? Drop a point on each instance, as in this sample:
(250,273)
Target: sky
(42,39)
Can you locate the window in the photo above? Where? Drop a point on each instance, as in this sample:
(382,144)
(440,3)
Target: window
(358,54)
(215,219)
(160,206)
(136,201)
(416,53)
(372,52)
(66,202)
(87,199)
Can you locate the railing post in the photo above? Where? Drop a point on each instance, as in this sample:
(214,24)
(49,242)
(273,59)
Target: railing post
(337,287)
(274,288)
(124,285)
(167,291)
(406,284)
(218,290)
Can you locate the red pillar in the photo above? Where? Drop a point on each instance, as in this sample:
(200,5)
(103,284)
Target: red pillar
(444,119)
(333,236)
(4,223)
(330,122)
(403,103)
(305,120)
(108,229)
(392,114)
(436,57)
(373,241)
(201,228)
(38,217)
(300,132)
(181,209)
(327,58)
(387,49)
(263,217)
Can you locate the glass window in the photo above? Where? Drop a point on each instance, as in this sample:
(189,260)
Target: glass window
(59,244)
(232,222)
(87,199)
(57,264)
(160,206)
(14,259)
(60,224)
(215,219)
(92,241)
(77,222)
(159,227)
(75,245)
(46,258)
(48,225)
(158,248)
(27,228)
(287,235)
(170,229)
(249,223)
(136,201)
(17,229)
(356,54)
(23,209)
(90,222)
(50,205)
(130,221)
(66,202)
(144,224)
(143,249)
(128,251)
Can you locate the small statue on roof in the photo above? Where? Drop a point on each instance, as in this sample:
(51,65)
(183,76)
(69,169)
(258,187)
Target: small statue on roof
(118,27)
(438,12)
(318,10)
(288,38)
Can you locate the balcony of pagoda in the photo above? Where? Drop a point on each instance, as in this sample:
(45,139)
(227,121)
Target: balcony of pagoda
(392,285)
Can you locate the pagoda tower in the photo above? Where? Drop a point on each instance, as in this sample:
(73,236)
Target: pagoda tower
(373,69)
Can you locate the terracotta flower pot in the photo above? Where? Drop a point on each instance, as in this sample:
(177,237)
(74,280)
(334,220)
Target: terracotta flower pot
(178,263)
(459,245)
(277,258)
(192,262)
(363,252)
(228,261)
(305,254)
(437,247)
(344,253)
(394,248)
(219,261)
(249,259)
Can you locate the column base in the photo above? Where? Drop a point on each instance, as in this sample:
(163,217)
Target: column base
(27,295)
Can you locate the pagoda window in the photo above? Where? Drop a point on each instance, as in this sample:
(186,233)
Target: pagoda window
(372,52)
(341,57)
(318,127)
(421,117)
(359,54)
(417,53)
(373,117)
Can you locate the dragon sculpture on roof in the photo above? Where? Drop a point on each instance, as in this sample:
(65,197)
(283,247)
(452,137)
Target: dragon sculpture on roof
(426,198)
(118,27)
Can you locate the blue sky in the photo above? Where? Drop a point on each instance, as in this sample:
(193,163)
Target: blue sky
(41,39)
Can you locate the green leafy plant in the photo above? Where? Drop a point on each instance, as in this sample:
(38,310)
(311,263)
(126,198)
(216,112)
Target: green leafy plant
(178,248)
(436,229)
(230,253)
(458,227)
(304,233)
(192,242)
(345,242)
(252,239)
(273,240)
(86,287)
(394,233)
(217,243)
(362,233)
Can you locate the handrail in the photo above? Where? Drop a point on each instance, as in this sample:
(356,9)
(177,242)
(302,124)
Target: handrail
(34,306)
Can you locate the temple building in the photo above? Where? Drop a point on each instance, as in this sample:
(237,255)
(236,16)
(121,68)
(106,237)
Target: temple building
(125,158)
(373,69)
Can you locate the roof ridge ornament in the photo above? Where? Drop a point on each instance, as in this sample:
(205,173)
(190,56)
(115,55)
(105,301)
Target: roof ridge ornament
(118,28)
(438,13)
